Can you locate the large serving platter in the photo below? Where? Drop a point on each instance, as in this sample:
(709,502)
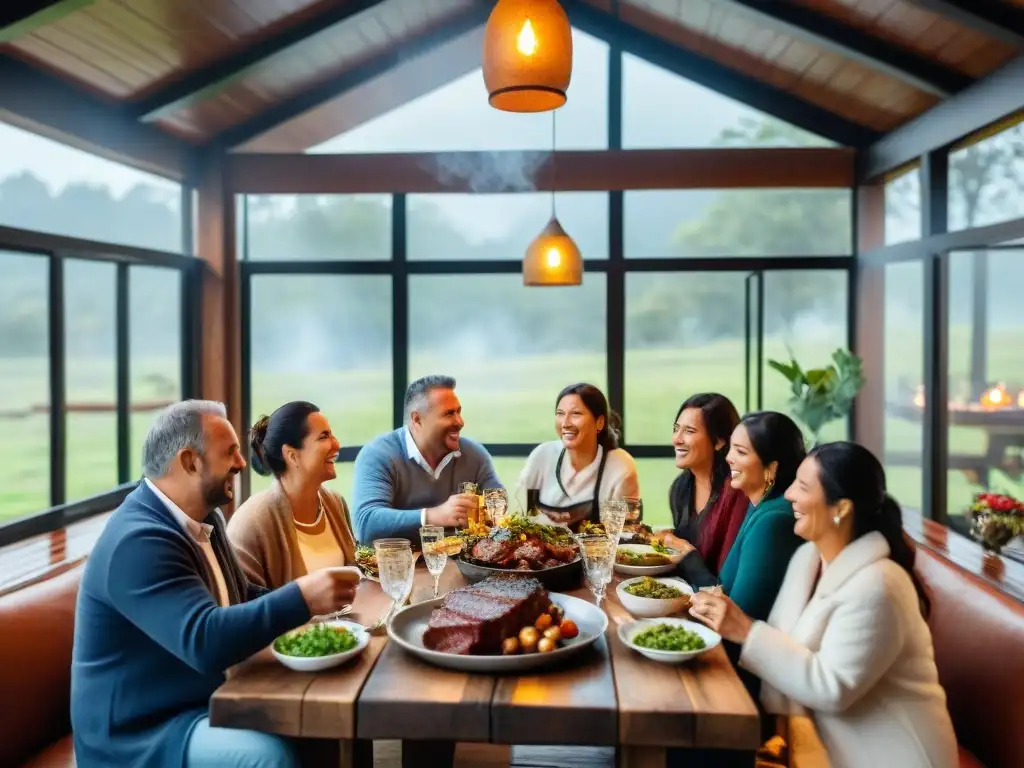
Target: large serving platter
(560,577)
(647,570)
(406,628)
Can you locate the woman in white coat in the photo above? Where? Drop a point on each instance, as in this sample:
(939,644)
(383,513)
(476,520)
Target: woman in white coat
(847,640)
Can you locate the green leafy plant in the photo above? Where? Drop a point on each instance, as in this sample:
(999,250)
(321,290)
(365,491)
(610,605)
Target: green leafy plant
(822,395)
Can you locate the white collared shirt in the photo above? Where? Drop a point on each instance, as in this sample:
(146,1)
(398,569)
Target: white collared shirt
(200,534)
(413,451)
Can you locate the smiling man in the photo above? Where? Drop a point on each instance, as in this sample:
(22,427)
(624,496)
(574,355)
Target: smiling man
(410,477)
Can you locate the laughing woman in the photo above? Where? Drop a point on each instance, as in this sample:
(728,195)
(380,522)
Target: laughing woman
(585,466)
(295,526)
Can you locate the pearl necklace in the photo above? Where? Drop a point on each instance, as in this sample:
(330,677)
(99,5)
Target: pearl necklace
(319,516)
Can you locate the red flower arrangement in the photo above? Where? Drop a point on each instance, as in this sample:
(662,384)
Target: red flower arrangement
(996,518)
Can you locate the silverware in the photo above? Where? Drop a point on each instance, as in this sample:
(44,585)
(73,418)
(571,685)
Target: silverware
(336,615)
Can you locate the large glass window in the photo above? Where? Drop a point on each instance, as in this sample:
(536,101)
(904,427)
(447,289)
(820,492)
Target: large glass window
(903,340)
(737,222)
(986,180)
(656,476)
(457,117)
(326,339)
(318,227)
(805,316)
(24,385)
(90,339)
(154,334)
(986,376)
(492,227)
(903,207)
(685,334)
(662,110)
(511,348)
(51,187)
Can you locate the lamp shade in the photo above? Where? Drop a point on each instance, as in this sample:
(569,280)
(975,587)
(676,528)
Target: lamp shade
(527,55)
(553,258)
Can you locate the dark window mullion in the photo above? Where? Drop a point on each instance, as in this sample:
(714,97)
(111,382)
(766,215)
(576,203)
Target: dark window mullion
(123,373)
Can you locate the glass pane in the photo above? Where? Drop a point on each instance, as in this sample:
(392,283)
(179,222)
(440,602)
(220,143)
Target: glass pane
(663,110)
(684,334)
(986,377)
(24,385)
(51,187)
(903,207)
(318,228)
(805,317)
(752,341)
(986,180)
(737,222)
(903,340)
(656,475)
(511,348)
(456,117)
(90,340)
(154,334)
(502,226)
(326,339)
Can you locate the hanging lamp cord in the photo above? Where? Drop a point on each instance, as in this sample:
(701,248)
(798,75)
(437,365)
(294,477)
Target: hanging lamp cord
(554,164)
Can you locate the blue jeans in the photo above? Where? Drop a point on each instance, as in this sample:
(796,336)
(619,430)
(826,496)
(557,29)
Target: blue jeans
(210,747)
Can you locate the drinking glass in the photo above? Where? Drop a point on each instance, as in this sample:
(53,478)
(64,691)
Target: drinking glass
(395,571)
(613,517)
(473,489)
(433,555)
(496,502)
(634,509)
(598,552)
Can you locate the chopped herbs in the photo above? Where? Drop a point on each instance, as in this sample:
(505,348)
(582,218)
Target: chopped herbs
(318,640)
(652,588)
(669,637)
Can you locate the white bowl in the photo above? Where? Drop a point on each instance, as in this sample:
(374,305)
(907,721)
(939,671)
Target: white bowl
(317,663)
(647,570)
(628,631)
(652,608)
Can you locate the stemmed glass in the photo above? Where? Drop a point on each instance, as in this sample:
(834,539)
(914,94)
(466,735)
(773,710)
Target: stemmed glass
(433,554)
(496,502)
(395,571)
(613,517)
(634,509)
(598,552)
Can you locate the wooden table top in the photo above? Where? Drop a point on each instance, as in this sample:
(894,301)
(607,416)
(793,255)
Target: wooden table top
(609,695)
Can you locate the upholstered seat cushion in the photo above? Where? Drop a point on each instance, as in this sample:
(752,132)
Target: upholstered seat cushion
(60,754)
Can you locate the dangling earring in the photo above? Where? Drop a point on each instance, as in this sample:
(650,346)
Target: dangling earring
(837,519)
(769,483)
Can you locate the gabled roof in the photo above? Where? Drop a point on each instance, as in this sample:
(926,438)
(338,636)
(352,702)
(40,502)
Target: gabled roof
(286,74)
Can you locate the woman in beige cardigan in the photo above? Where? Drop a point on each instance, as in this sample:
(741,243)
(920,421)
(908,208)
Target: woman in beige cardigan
(295,526)
(847,641)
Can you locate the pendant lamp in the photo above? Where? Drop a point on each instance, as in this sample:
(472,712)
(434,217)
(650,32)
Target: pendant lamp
(527,55)
(553,258)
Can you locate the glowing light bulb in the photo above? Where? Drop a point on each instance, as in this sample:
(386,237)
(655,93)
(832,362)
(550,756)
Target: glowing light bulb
(526,42)
(1020,399)
(554,257)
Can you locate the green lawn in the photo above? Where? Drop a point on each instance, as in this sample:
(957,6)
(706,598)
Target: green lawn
(506,400)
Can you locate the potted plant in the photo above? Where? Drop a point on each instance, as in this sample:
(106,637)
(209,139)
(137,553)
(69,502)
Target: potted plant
(995,519)
(822,395)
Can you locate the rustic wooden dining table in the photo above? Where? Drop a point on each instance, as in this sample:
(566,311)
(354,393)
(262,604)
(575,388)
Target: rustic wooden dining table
(609,696)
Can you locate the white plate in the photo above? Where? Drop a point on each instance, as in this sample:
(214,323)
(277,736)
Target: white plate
(406,628)
(628,631)
(317,663)
(649,607)
(647,570)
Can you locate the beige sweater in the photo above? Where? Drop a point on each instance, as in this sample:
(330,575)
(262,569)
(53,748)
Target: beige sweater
(263,534)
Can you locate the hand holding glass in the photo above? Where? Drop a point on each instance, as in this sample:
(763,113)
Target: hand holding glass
(433,554)
(395,570)
(598,552)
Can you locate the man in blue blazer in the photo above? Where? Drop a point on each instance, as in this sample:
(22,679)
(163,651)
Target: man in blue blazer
(164,609)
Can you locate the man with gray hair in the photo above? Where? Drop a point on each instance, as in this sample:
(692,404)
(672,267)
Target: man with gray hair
(410,477)
(164,610)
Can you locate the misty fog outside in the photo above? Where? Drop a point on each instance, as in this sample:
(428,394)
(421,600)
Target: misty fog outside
(328,338)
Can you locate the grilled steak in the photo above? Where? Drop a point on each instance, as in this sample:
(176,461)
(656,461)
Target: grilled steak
(475,620)
(491,550)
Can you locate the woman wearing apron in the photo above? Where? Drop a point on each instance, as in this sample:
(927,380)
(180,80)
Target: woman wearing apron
(584,466)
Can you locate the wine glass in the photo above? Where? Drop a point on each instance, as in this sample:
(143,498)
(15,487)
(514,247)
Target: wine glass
(634,509)
(395,571)
(598,552)
(613,517)
(433,554)
(496,502)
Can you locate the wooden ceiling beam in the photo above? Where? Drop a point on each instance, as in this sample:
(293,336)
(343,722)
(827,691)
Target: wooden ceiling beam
(446,31)
(20,17)
(851,43)
(997,19)
(728,82)
(52,107)
(208,82)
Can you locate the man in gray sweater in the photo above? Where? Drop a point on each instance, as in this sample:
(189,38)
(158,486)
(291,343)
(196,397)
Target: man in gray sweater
(410,477)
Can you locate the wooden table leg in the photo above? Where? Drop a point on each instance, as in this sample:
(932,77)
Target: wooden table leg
(318,753)
(641,757)
(428,754)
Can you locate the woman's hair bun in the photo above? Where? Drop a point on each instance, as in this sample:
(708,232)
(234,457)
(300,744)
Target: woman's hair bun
(257,434)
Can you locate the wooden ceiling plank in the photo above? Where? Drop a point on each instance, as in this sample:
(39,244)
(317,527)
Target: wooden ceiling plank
(853,43)
(718,77)
(208,82)
(21,17)
(474,17)
(993,18)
